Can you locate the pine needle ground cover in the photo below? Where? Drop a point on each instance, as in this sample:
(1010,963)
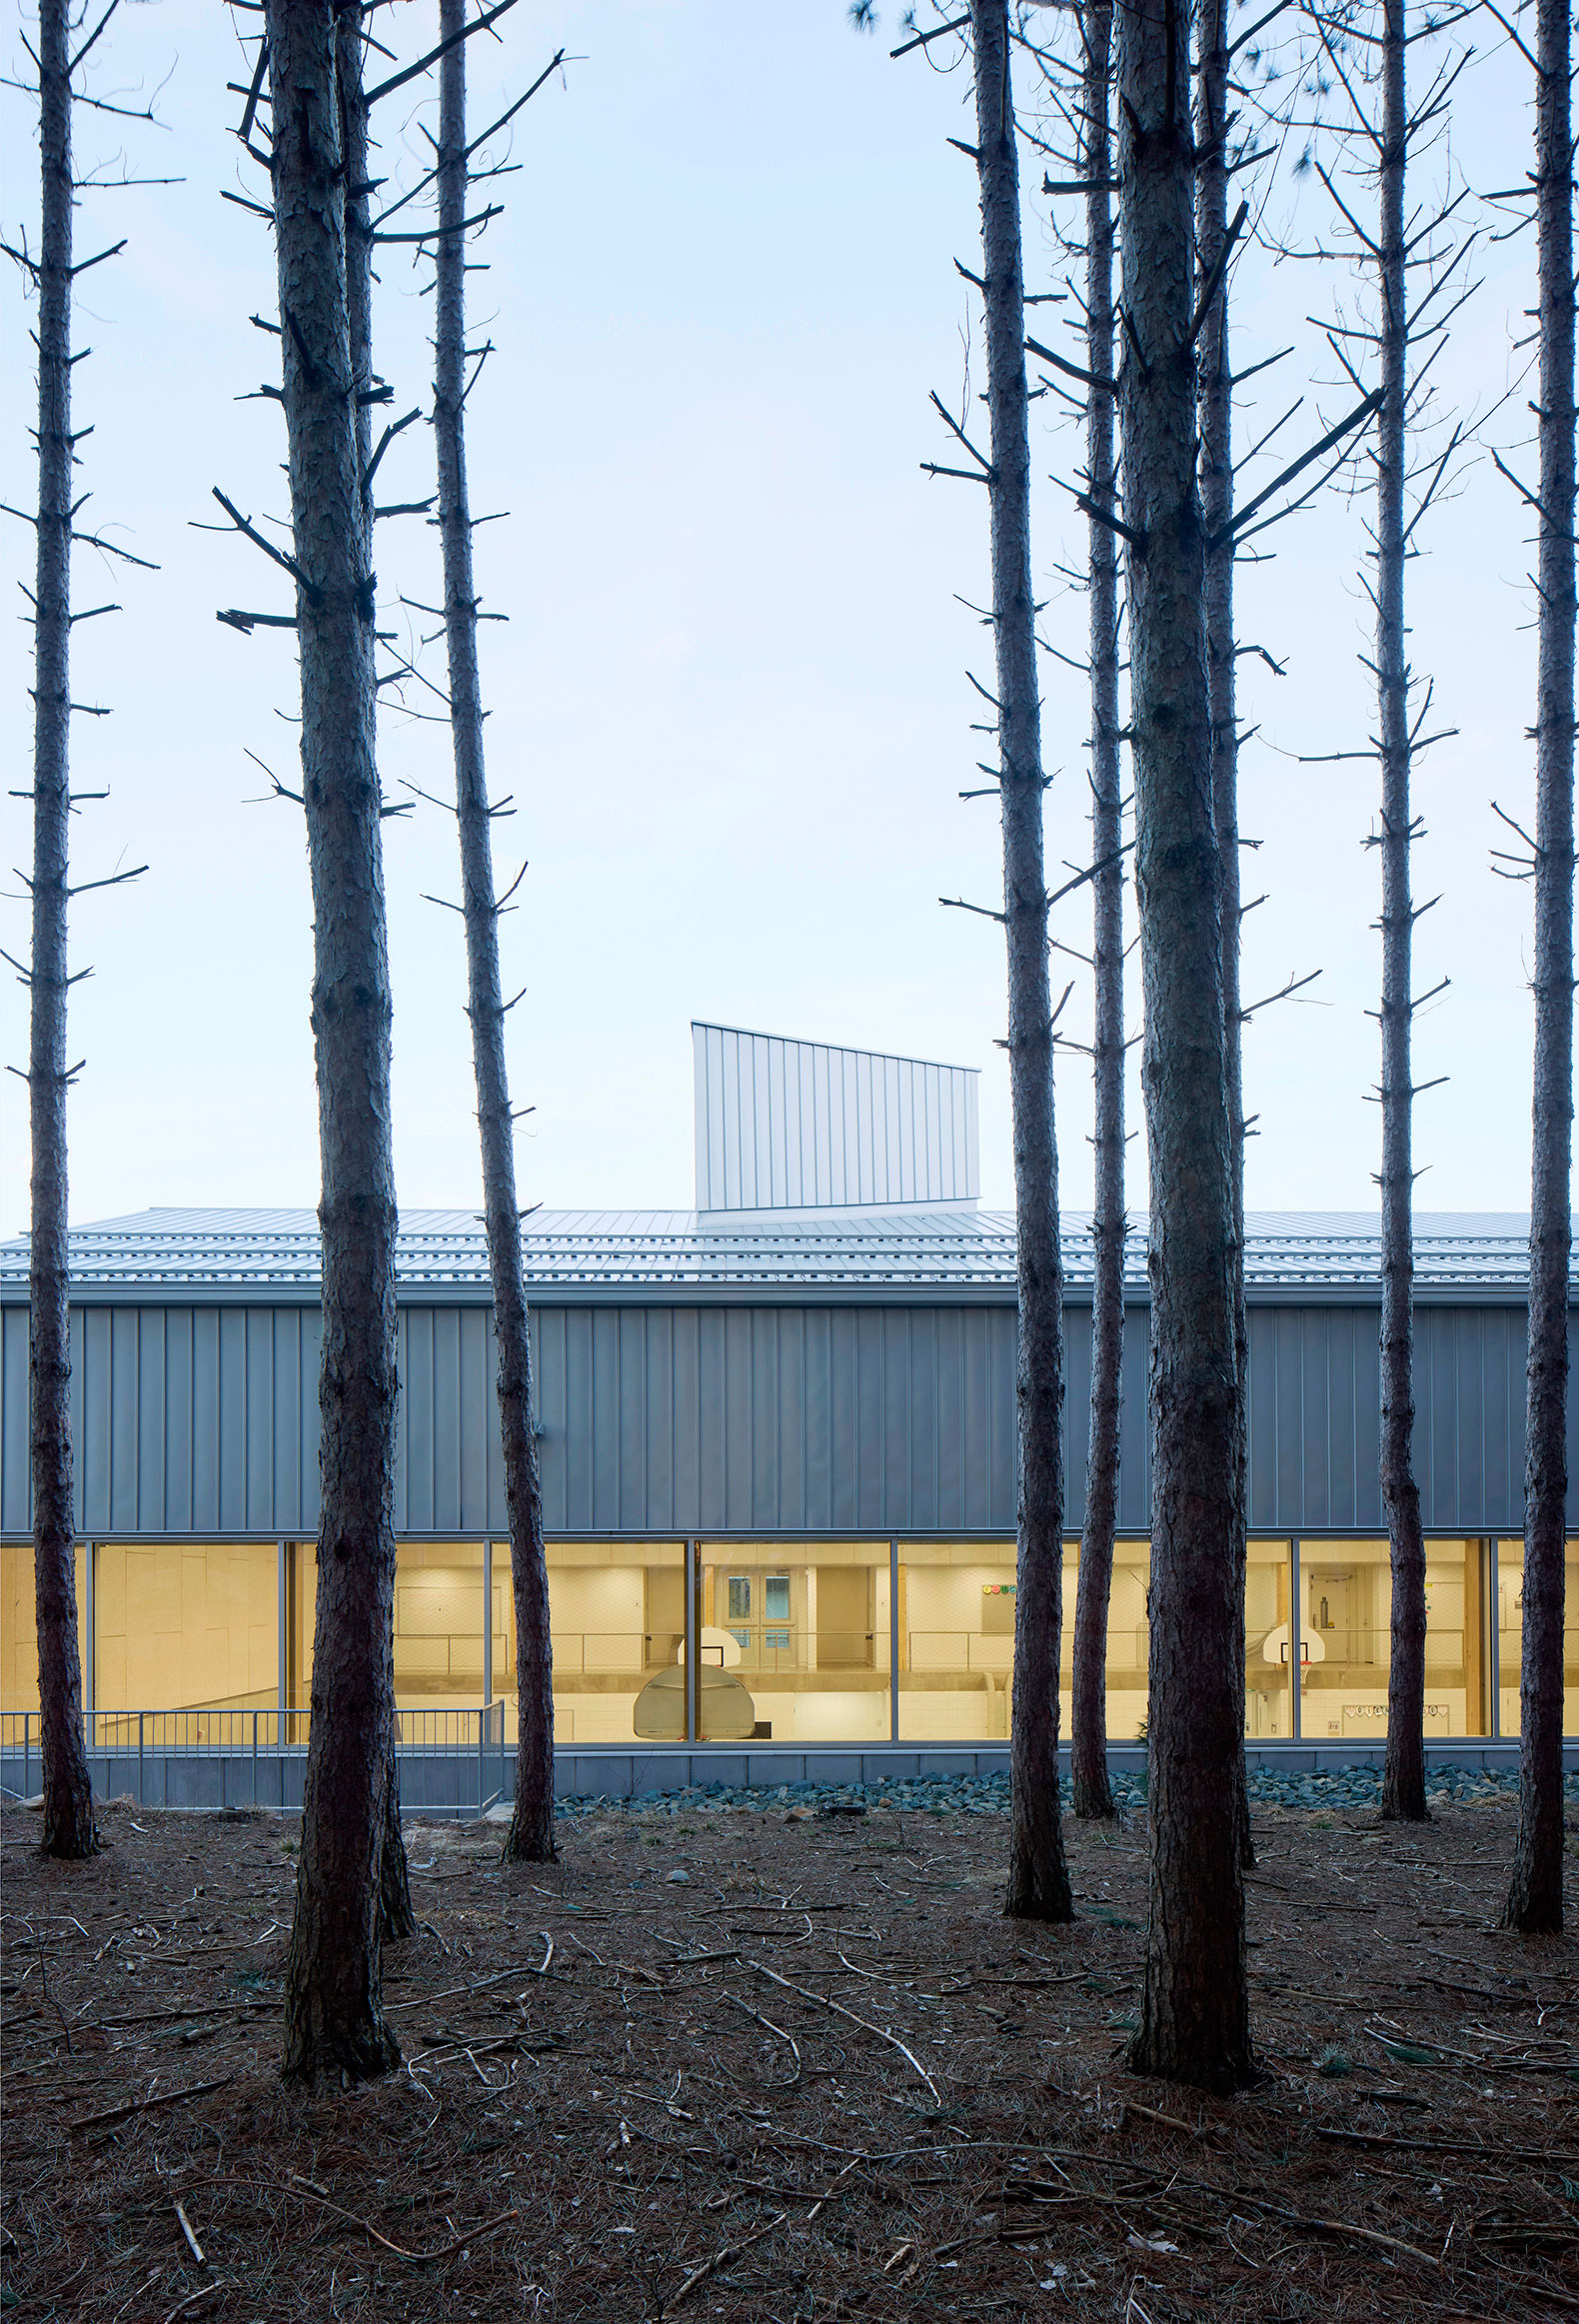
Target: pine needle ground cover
(777,2063)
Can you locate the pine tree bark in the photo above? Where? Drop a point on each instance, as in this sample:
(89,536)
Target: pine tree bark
(68,1825)
(334,2018)
(1535,1894)
(397,1914)
(531,1838)
(1194,2014)
(1093,1792)
(1216,474)
(1403,1774)
(1038,1879)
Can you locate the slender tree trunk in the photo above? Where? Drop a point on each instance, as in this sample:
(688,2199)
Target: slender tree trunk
(1216,472)
(1195,2020)
(397,1914)
(532,1827)
(334,2015)
(1403,1778)
(1094,1793)
(1535,1897)
(68,1788)
(1038,1879)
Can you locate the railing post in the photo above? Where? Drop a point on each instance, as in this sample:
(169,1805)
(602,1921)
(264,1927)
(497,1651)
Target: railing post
(480,1792)
(255,1718)
(27,1753)
(140,1799)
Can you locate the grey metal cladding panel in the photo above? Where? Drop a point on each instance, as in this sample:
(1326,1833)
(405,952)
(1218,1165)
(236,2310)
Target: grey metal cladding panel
(903,1423)
(843,1505)
(629,1449)
(1134,1464)
(658,1413)
(1262,1421)
(1076,1413)
(92,1411)
(1288,1461)
(686,1493)
(151,1420)
(262,1419)
(413,1451)
(286,1475)
(918,1492)
(1504,1447)
(948,1467)
(816,1418)
(122,1516)
(549,1348)
(789,1414)
(16,1482)
(1340,1494)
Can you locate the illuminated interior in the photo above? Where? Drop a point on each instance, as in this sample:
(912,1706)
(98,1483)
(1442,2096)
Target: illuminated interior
(19,1625)
(184,1625)
(1346,1639)
(1510,1633)
(794,1638)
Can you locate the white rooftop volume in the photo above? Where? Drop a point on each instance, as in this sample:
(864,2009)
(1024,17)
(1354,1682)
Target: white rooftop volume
(801,1126)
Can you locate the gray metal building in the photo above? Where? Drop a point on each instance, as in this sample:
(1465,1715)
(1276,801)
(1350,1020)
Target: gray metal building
(810,1384)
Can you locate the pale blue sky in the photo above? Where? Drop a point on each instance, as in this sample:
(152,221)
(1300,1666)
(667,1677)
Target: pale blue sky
(730,701)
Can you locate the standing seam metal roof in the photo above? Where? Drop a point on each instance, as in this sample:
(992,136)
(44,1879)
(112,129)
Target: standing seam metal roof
(913,1246)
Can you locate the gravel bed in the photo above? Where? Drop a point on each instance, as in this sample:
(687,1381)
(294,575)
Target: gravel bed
(955,1795)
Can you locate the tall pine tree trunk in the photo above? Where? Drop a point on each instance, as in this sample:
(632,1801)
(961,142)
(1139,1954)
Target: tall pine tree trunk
(1195,2020)
(1403,1778)
(68,1790)
(1093,1795)
(1535,1897)
(397,1913)
(532,1826)
(1039,1880)
(334,2016)
(1216,474)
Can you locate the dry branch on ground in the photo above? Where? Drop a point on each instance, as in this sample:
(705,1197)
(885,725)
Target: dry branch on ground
(639,2124)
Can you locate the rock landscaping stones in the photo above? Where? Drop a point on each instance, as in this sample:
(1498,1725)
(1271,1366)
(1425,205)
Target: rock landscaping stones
(1327,1790)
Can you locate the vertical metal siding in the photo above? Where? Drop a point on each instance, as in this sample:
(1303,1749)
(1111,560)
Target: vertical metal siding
(790,1125)
(795,1418)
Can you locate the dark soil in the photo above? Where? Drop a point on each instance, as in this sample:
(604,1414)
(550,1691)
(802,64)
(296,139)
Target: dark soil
(820,2077)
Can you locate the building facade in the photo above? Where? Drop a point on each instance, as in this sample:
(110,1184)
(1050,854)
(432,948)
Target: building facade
(786,1431)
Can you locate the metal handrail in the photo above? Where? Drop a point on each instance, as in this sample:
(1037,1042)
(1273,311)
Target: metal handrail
(273,1738)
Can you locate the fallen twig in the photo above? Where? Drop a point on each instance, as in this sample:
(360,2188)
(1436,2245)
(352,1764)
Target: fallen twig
(147,2105)
(1505,2154)
(729,2251)
(824,2001)
(1172,2121)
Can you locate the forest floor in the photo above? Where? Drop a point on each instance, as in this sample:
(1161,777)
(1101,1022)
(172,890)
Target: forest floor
(818,2076)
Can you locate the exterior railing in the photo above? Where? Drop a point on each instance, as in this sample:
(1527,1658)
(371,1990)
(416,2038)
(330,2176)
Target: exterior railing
(451,1761)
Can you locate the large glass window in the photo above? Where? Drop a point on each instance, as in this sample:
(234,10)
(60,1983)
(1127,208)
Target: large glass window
(1510,1635)
(438,1626)
(184,1626)
(1270,1647)
(617,1616)
(19,1625)
(1346,1639)
(794,1641)
(956,1640)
